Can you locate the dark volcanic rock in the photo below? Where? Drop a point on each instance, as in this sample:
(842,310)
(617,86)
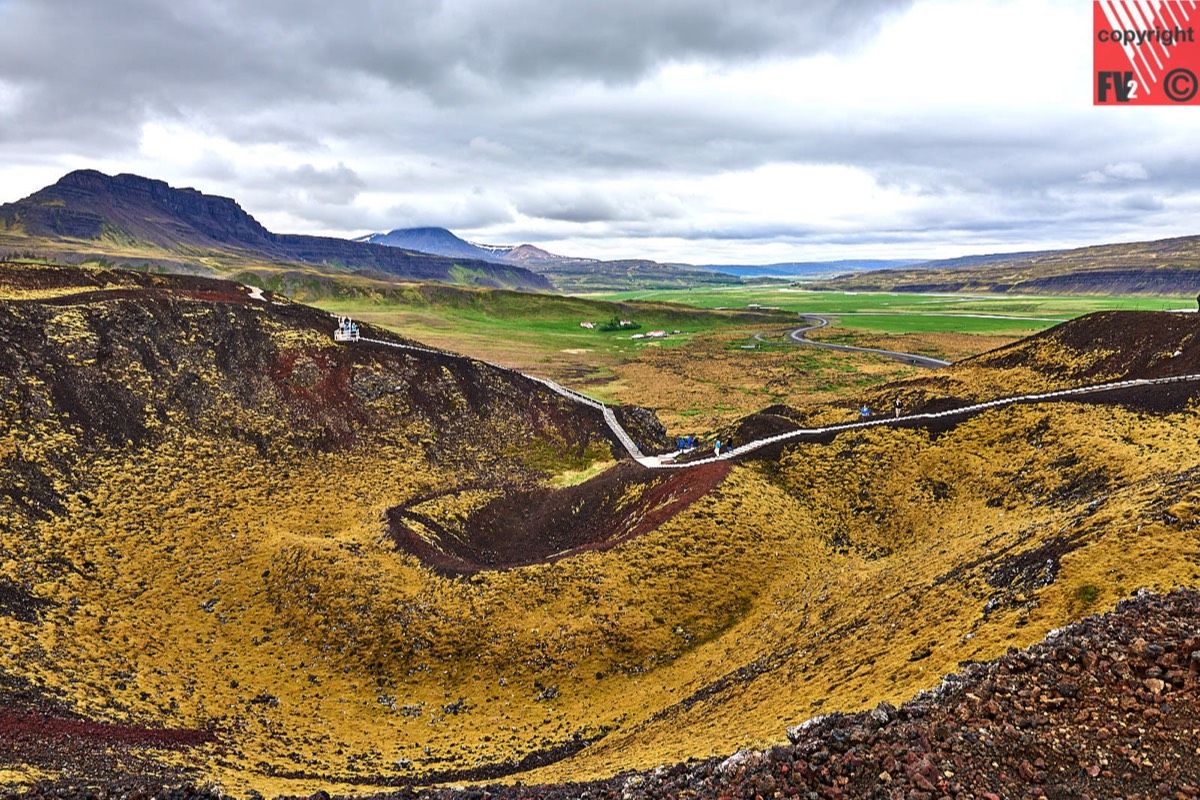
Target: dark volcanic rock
(643,426)
(1074,716)
(542,524)
(20,604)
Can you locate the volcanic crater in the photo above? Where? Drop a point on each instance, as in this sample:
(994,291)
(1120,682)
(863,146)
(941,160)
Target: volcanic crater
(506,529)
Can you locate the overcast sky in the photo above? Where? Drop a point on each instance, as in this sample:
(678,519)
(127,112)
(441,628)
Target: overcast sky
(745,131)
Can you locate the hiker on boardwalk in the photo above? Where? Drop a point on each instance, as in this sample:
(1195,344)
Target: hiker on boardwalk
(896,405)
(864,412)
(717,447)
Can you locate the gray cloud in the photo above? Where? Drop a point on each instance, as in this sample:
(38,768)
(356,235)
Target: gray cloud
(459,212)
(587,204)
(521,118)
(337,186)
(473,46)
(170,59)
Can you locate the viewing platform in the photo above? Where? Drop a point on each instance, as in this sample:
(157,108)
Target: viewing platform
(346,331)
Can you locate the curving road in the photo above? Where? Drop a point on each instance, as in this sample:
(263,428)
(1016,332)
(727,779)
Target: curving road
(658,462)
(816,433)
(797,336)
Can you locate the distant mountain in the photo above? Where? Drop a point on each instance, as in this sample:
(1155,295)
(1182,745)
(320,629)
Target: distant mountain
(439,241)
(792,269)
(529,255)
(436,241)
(88,214)
(1161,267)
(568,274)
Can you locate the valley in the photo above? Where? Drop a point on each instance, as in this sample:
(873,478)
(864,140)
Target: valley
(290,563)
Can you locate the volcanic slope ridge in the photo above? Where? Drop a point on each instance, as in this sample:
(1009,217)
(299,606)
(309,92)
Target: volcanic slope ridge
(200,578)
(145,409)
(1098,348)
(1103,347)
(1105,707)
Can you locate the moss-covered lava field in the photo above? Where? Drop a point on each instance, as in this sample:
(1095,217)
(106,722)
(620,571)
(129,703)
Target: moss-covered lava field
(235,552)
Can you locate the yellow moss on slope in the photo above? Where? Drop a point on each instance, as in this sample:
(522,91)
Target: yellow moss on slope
(271,605)
(229,575)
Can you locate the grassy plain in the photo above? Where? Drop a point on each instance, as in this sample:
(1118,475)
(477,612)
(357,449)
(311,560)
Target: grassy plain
(541,334)
(716,371)
(906,313)
(699,380)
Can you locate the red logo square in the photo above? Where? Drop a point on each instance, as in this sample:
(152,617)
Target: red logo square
(1145,52)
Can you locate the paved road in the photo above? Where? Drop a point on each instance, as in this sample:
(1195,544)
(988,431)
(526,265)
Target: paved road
(965,411)
(657,462)
(815,321)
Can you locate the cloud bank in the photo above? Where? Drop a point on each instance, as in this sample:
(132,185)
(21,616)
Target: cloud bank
(700,131)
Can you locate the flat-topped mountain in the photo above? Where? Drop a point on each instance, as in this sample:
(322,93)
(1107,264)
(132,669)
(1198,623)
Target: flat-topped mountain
(1160,267)
(140,220)
(87,204)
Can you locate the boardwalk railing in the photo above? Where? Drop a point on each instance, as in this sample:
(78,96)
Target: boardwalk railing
(654,462)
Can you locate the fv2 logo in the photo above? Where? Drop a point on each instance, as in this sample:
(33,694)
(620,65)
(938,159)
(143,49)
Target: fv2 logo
(1145,52)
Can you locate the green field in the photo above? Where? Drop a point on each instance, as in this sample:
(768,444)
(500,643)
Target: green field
(523,329)
(542,332)
(889,312)
(714,360)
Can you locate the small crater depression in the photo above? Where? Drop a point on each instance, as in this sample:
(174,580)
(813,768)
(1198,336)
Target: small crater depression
(473,529)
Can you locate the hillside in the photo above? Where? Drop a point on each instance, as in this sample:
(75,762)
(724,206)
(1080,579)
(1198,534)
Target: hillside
(243,553)
(129,219)
(1162,267)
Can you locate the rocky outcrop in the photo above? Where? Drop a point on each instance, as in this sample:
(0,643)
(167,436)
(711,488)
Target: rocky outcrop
(1104,708)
